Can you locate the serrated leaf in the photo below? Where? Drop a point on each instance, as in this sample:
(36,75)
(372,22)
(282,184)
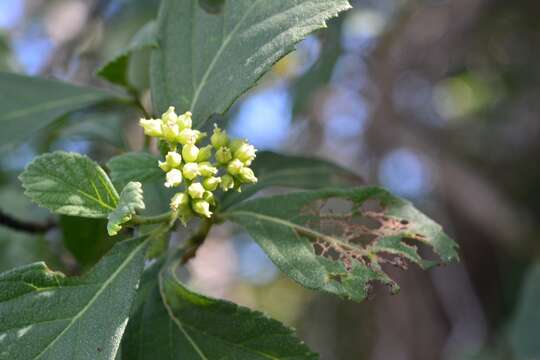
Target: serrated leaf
(205,61)
(131,200)
(273,169)
(336,240)
(116,69)
(526,324)
(69,184)
(193,326)
(46,315)
(153,334)
(134,166)
(30,104)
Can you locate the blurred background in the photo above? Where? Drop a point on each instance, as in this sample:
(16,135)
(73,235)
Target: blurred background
(436,100)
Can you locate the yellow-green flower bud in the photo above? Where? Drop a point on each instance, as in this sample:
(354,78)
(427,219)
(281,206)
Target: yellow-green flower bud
(206,169)
(191,171)
(245,153)
(209,198)
(151,127)
(196,190)
(184,213)
(179,200)
(190,152)
(234,167)
(184,121)
(170,130)
(205,153)
(227,182)
(200,135)
(164,166)
(211,183)
(202,207)
(236,143)
(186,136)
(173,159)
(174,178)
(169,116)
(223,155)
(247,175)
(219,138)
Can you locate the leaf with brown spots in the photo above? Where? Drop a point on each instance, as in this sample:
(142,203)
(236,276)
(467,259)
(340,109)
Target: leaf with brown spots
(338,240)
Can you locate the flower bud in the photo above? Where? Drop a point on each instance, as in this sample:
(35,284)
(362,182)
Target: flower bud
(196,190)
(200,135)
(205,153)
(164,166)
(247,176)
(184,121)
(219,138)
(174,178)
(184,213)
(236,143)
(173,159)
(234,167)
(191,171)
(206,169)
(179,200)
(211,183)
(209,198)
(190,152)
(170,130)
(245,153)
(151,127)
(169,116)
(223,155)
(186,136)
(203,208)
(227,182)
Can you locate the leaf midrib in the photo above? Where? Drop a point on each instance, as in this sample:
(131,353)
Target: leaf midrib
(189,338)
(76,189)
(222,47)
(330,239)
(93,299)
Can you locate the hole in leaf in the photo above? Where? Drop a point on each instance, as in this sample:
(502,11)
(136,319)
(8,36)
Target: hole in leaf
(336,277)
(362,235)
(372,205)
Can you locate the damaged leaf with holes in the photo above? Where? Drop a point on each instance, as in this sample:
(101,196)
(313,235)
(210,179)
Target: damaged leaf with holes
(340,240)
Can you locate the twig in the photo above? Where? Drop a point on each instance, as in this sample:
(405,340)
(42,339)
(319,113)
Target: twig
(196,240)
(25,226)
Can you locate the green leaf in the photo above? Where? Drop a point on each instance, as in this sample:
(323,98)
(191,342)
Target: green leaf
(116,69)
(526,325)
(69,184)
(134,166)
(192,326)
(131,200)
(320,74)
(153,334)
(46,315)
(6,61)
(205,61)
(30,104)
(18,248)
(86,239)
(273,169)
(335,240)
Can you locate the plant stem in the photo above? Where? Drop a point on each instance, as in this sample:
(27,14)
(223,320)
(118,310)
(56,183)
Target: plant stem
(197,239)
(25,226)
(156,219)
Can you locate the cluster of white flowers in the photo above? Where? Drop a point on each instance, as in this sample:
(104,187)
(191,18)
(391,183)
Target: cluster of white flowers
(200,170)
